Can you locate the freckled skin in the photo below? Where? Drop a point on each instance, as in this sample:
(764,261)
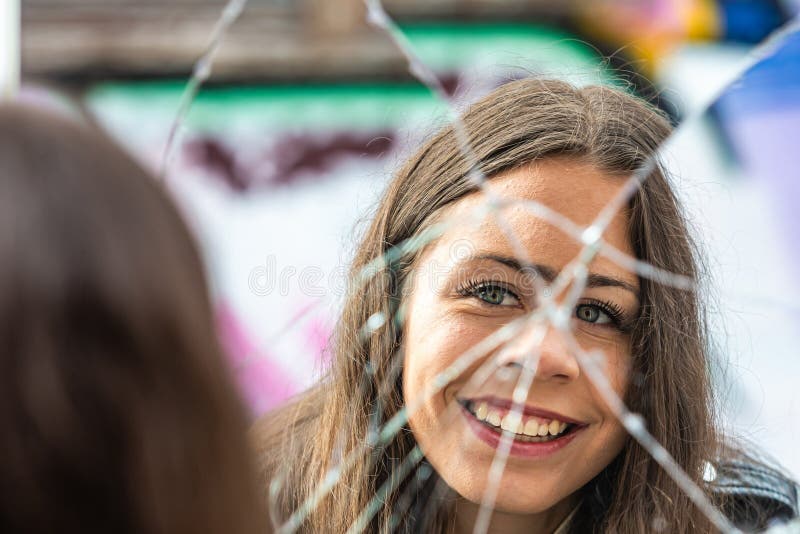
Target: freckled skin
(535,493)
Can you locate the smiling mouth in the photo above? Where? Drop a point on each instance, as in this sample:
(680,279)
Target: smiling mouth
(523,428)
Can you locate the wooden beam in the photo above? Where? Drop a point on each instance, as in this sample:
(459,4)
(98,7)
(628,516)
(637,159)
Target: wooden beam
(272,40)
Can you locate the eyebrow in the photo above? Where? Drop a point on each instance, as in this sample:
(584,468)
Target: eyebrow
(550,274)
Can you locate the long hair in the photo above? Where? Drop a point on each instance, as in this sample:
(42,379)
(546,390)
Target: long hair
(117,412)
(517,124)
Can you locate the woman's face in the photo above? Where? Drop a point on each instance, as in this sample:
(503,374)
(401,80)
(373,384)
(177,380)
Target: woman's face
(469,284)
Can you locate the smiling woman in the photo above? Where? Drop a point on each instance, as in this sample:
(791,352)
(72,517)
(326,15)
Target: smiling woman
(416,339)
(487,290)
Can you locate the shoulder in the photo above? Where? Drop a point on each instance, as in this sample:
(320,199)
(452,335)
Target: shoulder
(753,491)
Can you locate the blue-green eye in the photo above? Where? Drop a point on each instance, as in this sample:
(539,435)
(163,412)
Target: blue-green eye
(495,295)
(592,314)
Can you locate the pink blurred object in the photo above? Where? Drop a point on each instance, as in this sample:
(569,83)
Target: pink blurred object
(51,100)
(318,334)
(262,382)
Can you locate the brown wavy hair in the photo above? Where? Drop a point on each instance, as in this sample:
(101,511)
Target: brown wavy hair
(520,122)
(117,412)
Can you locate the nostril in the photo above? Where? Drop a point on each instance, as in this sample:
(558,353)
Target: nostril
(519,365)
(507,372)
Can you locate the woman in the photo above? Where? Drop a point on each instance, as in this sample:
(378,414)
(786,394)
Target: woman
(571,466)
(117,413)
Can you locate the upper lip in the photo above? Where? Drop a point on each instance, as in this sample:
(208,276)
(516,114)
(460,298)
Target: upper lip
(507,404)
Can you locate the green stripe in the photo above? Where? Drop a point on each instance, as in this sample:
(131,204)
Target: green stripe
(368,106)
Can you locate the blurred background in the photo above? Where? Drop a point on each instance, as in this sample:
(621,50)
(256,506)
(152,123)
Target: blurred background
(309,110)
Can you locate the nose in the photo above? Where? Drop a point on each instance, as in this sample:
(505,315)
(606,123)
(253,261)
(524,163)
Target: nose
(546,349)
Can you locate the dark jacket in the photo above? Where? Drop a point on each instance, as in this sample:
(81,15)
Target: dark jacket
(756,492)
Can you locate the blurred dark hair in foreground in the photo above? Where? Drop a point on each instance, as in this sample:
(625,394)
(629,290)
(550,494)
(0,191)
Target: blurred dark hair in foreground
(116,410)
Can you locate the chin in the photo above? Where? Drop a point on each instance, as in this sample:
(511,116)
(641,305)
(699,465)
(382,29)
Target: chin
(518,503)
(518,493)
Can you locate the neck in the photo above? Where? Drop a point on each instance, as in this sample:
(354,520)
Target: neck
(545,522)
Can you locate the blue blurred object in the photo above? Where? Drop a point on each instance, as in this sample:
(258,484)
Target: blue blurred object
(760,116)
(749,21)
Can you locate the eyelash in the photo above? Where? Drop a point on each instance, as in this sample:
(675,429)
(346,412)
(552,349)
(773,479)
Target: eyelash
(614,312)
(471,288)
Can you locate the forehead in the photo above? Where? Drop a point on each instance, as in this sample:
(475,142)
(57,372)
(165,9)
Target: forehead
(574,188)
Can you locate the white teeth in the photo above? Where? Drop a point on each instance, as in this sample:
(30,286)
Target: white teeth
(508,423)
(493,418)
(554,426)
(512,422)
(531,428)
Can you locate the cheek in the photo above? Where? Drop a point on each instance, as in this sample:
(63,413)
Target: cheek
(618,371)
(608,443)
(614,442)
(436,337)
(432,344)
(616,363)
